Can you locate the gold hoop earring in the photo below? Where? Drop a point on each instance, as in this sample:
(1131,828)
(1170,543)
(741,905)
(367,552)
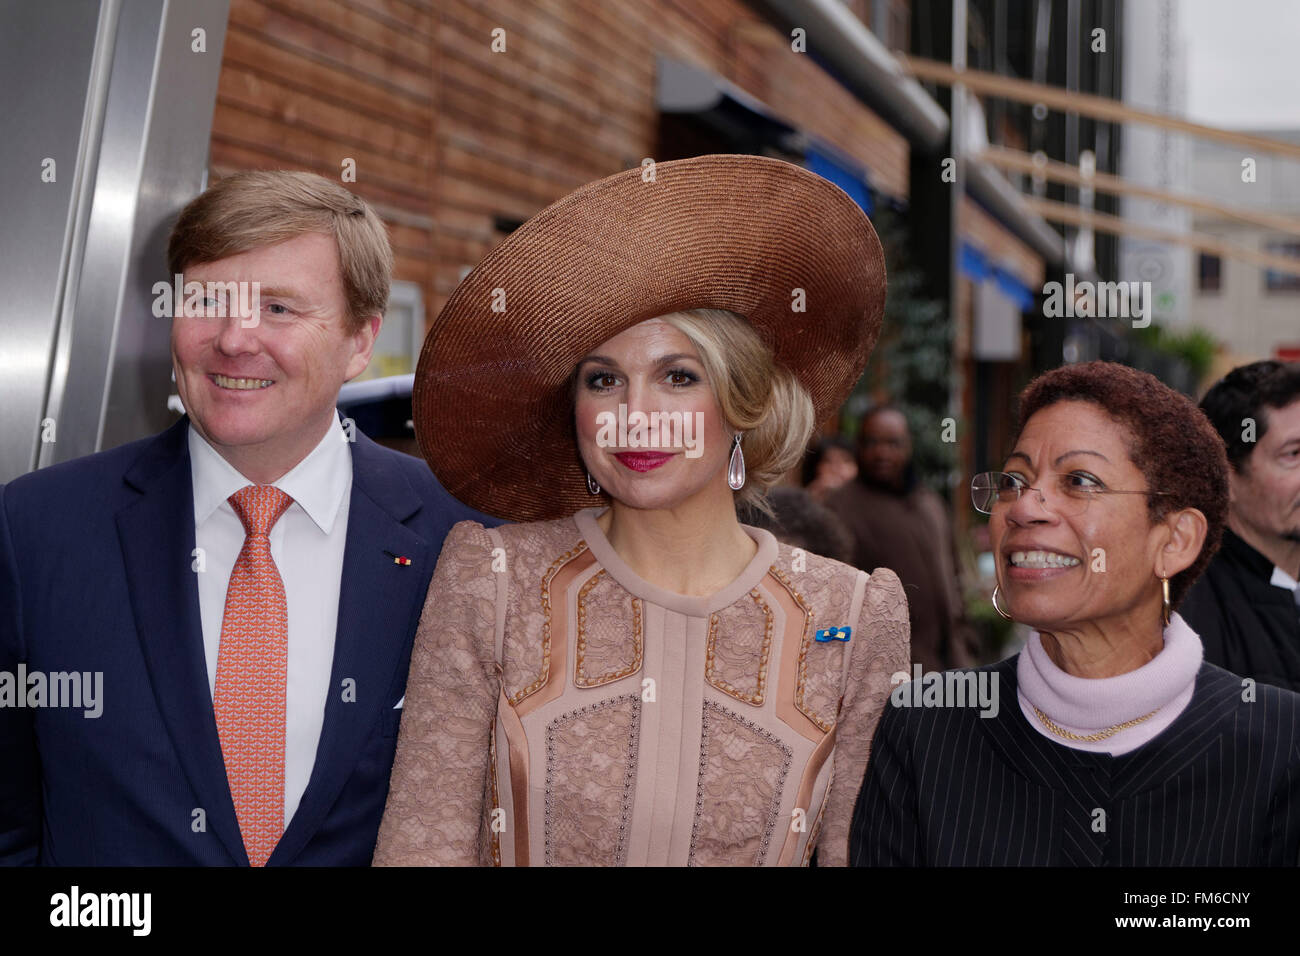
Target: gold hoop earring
(997,589)
(1167,609)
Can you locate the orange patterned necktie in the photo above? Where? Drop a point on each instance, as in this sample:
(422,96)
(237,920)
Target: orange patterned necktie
(252,667)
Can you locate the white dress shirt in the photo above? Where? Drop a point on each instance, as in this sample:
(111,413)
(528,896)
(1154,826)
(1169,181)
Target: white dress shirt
(1281,579)
(307,547)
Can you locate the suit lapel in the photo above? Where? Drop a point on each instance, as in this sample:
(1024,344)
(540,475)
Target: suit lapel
(157,538)
(379,603)
(1067,770)
(1043,762)
(1203,722)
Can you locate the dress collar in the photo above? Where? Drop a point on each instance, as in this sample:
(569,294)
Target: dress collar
(691,606)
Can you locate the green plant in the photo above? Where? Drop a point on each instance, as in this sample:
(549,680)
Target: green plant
(910,365)
(1196,347)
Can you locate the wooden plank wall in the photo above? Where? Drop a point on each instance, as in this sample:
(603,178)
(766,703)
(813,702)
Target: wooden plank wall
(306,84)
(449,136)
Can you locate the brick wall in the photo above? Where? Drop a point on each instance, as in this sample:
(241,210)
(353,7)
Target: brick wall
(449,137)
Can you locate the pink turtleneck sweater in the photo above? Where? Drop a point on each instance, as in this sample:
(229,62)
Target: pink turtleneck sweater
(1085,706)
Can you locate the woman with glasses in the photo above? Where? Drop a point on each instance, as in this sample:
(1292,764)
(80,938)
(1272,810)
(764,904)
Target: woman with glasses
(1107,740)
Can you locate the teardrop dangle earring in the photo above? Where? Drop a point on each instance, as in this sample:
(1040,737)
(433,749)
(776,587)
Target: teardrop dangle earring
(736,469)
(592,487)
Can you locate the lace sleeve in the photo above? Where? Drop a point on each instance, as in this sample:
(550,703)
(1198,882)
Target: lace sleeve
(435,796)
(881,647)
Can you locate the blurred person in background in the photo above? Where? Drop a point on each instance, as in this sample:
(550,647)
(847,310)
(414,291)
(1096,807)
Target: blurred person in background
(1246,606)
(898,523)
(831,464)
(1110,741)
(799,521)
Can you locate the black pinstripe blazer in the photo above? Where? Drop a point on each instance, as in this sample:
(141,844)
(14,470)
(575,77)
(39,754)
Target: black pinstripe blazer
(1219,787)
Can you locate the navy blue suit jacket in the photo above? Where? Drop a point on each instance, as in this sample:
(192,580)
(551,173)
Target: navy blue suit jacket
(95,576)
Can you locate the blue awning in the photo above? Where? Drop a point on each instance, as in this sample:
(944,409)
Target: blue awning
(1014,289)
(972,263)
(853,182)
(975,265)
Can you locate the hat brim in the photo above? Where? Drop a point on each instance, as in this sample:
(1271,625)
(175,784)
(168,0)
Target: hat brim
(760,237)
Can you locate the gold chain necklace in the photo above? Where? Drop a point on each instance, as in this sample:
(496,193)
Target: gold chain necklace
(1090,738)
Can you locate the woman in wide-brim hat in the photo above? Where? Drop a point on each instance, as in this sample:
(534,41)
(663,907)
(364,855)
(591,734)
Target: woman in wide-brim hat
(632,676)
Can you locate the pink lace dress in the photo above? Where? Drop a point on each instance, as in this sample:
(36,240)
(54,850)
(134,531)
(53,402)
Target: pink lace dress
(560,710)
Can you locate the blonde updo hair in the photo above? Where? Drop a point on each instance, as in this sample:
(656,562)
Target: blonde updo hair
(757,396)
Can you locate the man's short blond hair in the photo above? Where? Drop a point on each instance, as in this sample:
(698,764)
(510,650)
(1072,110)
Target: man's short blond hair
(249,210)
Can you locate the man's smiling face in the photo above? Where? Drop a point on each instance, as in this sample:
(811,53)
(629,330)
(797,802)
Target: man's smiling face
(262,389)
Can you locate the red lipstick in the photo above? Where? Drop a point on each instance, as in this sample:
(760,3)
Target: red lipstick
(642,460)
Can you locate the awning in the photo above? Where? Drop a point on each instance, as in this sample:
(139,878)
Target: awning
(978,267)
(750,126)
(723,107)
(846,174)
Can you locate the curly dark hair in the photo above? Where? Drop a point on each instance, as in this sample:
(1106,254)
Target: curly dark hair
(1171,442)
(1247,392)
(801,522)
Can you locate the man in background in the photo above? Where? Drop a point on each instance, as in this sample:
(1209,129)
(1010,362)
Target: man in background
(899,524)
(1244,606)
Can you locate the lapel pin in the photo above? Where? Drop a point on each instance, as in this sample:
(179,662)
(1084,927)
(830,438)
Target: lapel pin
(834,634)
(398,559)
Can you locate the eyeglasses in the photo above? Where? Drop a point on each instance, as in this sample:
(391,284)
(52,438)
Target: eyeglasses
(997,489)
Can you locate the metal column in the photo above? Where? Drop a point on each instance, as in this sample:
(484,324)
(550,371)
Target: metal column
(107,116)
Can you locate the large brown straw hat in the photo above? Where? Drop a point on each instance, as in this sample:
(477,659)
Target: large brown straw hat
(492,403)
